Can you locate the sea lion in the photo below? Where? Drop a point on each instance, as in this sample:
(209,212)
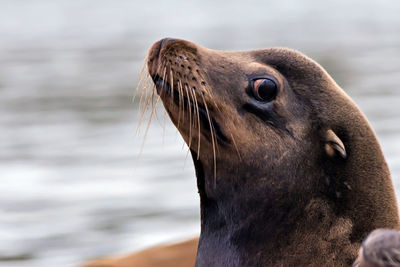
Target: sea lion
(288,169)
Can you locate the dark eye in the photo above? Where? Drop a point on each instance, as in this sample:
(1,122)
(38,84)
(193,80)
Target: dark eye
(265,89)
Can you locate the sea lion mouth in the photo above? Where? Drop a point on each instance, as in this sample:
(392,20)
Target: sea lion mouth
(164,90)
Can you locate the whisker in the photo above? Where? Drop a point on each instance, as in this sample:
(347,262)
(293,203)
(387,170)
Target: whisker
(198,124)
(212,140)
(190,114)
(191,94)
(148,126)
(210,95)
(171,83)
(142,96)
(164,75)
(154,103)
(236,147)
(143,74)
(180,107)
(144,110)
(150,97)
(156,110)
(194,112)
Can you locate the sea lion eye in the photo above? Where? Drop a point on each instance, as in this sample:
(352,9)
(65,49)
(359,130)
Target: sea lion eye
(265,89)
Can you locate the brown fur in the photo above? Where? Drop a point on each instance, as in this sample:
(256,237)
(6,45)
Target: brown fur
(299,180)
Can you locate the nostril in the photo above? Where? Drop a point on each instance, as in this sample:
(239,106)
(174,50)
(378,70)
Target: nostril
(166,41)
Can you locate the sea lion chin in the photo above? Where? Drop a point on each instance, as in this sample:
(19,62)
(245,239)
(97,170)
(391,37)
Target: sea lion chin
(288,168)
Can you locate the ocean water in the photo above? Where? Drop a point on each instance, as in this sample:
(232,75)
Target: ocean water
(73,186)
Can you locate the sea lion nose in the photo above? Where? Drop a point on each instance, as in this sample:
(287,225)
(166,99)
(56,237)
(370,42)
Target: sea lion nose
(157,46)
(154,54)
(166,41)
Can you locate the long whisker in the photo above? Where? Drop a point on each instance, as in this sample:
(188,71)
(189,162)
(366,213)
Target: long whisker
(210,95)
(236,147)
(154,106)
(198,124)
(148,126)
(147,98)
(190,114)
(180,107)
(192,121)
(213,99)
(142,95)
(144,110)
(153,102)
(147,103)
(213,141)
(194,112)
(164,75)
(143,75)
(171,83)
(156,113)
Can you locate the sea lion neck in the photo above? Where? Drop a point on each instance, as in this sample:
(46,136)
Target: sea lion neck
(246,227)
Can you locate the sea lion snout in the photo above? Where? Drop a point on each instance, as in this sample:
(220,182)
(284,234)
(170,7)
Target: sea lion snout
(178,75)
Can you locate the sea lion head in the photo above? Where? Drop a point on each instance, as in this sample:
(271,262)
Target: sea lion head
(270,129)
(260,106)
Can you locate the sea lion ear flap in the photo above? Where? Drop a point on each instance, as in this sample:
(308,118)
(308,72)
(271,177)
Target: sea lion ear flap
(333,145)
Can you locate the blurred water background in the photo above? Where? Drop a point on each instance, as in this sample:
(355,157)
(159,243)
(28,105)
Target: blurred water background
(72,186)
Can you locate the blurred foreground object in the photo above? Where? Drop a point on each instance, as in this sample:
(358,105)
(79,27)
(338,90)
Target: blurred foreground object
(380,248)
(178,254)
